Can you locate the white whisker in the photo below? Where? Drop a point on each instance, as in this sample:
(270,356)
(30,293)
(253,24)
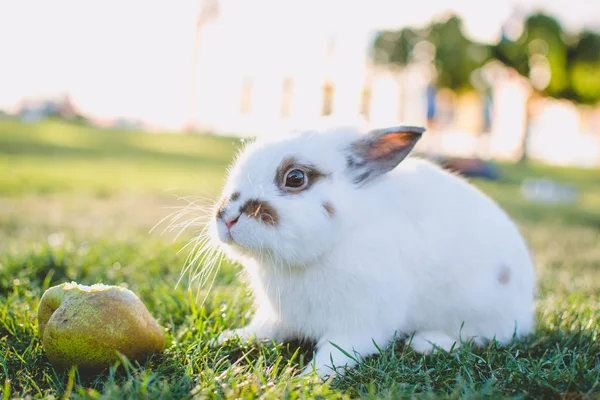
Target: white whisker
(203,262)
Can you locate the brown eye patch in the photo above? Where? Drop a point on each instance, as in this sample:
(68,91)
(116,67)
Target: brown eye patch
(260,210)
(291,165)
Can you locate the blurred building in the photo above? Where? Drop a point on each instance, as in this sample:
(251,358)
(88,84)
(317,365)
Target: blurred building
(33,109)
(549,130)
(262,79)
(272,77)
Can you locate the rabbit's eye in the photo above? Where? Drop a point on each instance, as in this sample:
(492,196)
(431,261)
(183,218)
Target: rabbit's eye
(295,179)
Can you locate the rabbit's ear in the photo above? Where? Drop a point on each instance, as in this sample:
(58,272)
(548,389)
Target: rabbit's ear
(380,151)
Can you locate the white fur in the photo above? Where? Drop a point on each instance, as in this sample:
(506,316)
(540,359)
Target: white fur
(417,251)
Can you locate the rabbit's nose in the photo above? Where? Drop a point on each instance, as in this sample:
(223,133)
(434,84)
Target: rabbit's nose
(231,222)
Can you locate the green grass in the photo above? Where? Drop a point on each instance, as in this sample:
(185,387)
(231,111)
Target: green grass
(77,203)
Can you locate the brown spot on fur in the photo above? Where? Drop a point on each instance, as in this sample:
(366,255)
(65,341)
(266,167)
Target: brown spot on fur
(329,208)
(234,196)
(261,210)
(504,276)
(312,174)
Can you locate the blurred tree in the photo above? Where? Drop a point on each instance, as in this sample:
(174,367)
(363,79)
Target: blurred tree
(511,54)
(456,57)
(583,60)
(540,53)
(557,65)
(393,47)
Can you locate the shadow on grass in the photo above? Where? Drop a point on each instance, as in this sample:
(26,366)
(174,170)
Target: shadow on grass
(549,364)
(118,150)
(538,213)
(294,354)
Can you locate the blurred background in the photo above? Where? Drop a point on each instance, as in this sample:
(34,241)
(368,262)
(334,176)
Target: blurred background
(506,80)
(119,118)
(126,102)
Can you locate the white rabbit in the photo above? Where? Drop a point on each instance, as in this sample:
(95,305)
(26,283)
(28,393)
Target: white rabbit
(347,243)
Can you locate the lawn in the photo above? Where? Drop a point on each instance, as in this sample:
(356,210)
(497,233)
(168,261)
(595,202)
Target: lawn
(78,203)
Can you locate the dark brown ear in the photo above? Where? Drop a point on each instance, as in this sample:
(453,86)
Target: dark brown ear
(380,151)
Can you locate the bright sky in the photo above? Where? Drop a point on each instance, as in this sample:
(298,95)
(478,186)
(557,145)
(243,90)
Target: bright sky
(133,58)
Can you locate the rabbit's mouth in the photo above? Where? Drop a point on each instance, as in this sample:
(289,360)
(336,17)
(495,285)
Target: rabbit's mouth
(228,238)
(224,233)
(241,233)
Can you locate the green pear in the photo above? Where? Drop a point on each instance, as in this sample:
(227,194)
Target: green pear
(86,326)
